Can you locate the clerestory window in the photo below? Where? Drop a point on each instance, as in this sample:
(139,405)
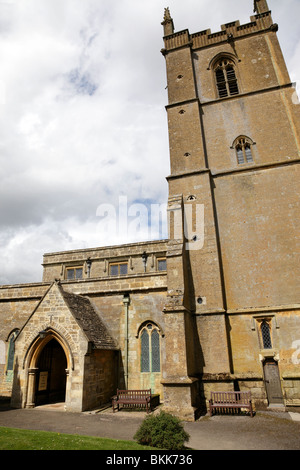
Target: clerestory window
(118,269)
(226,80)
(162,264)
(74,273)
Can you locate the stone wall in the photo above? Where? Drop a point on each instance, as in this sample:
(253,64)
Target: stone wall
(55,264)
(100,378)
(260,237)
(147,292)
(17,302)
(247,267)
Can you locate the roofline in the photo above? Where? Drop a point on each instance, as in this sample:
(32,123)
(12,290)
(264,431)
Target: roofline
(110,247)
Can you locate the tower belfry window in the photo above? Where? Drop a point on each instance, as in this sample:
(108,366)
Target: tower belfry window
(243,151)
(226,78)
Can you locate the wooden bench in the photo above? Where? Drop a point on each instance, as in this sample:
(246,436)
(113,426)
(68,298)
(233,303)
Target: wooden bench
(129,398)
(221,401)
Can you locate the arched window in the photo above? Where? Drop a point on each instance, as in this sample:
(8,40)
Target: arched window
(226,80)
(11,351)
(150,348)
(266,335)
(243,148)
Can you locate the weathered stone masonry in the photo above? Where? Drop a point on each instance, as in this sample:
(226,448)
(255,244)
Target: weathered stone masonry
(216,306)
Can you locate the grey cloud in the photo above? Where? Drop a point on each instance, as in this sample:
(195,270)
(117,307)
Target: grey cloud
(83,119)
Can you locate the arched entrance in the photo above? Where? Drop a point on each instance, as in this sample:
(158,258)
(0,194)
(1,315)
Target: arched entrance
(51,367)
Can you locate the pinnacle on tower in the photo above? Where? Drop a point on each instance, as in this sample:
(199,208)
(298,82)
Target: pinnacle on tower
(167,15)
(261,6)
(168,23)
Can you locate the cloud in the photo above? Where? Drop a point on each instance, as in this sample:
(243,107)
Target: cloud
(82,118)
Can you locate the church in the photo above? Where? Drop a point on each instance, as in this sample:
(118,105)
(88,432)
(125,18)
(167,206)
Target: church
(216,305)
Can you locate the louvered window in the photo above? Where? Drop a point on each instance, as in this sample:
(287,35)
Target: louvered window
(243,151)
(221,83)
(240,155)
(226,79)
(248,153)
(232,81)
(150,349)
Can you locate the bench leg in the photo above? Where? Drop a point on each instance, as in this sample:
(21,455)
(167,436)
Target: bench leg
(115,405)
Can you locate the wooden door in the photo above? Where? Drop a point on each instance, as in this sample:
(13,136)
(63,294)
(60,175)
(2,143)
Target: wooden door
(51,377)
(272,381)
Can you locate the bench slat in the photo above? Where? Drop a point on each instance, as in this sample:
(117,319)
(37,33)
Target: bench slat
(132,397)
(230,400)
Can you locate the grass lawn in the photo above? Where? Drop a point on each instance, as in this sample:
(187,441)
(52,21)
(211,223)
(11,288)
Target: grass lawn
(21,439)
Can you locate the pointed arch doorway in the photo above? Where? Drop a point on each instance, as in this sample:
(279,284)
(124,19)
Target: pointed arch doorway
(51,377)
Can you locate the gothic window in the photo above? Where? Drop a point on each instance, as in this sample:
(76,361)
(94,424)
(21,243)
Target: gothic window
(226,80)
(243,148)
(266,335)
(11,351)
(145,352)
(150,348)
(155,351)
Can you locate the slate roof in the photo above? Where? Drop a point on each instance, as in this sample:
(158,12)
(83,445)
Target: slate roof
(89,320)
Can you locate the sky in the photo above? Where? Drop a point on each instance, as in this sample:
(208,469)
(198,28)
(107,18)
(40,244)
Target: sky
(83,125)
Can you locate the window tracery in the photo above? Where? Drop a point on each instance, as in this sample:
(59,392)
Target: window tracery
(226,79)
(243,147)
(150,348)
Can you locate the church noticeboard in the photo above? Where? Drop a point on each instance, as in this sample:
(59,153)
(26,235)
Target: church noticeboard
(43,380)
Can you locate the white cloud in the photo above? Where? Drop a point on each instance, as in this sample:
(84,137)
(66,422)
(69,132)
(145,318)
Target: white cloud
(82,118)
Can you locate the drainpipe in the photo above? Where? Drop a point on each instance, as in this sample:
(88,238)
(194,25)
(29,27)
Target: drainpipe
(144,258)
(126,302)
(89,265)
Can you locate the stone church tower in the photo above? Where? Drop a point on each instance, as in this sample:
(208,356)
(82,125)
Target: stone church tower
(233,272)
(216,306)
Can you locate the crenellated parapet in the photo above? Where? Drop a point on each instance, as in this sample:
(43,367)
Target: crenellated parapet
(229,32)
